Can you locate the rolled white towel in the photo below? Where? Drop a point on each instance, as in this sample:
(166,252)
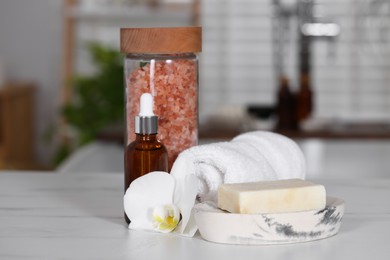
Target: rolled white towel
(253,156)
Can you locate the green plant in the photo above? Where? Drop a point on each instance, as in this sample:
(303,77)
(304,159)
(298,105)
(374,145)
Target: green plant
(98,100)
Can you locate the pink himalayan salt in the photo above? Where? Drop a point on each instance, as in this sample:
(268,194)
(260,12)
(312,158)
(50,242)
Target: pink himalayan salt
(175,102)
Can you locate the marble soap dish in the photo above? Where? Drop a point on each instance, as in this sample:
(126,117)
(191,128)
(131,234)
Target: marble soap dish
(219,226)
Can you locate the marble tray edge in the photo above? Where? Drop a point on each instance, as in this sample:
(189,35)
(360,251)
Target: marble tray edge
(265,229)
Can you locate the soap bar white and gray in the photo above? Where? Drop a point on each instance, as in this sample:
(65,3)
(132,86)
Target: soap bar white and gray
(279,196)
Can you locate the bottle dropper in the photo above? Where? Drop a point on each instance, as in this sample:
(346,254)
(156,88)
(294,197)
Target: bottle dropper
(146,122)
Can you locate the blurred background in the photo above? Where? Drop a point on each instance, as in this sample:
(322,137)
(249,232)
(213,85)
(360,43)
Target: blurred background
(314,70)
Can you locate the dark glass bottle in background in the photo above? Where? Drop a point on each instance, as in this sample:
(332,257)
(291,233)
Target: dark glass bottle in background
(146,153)
(286,108)
(304,98)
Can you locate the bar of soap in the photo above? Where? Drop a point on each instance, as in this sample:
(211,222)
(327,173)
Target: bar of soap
(279,196)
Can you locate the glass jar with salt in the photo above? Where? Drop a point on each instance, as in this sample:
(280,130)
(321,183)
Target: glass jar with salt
(164,62)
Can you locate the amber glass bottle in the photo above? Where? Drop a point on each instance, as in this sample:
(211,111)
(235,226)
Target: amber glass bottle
(286,107)
(305,98)
(146,153)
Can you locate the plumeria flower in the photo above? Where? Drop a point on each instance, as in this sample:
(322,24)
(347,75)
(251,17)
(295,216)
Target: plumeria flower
(162,202)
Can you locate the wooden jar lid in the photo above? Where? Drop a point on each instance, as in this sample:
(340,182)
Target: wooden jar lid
(161,40)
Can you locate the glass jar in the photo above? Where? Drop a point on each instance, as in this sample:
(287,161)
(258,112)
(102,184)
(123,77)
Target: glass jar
(163,62)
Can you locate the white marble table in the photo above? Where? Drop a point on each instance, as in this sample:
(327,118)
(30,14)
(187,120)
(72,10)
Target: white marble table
(79,216)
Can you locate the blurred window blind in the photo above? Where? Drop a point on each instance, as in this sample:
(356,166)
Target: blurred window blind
(236,61)
(351,78)
(350,75)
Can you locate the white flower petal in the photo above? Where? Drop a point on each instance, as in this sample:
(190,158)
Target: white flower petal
(144,194)
(160,211)
(141,223)
(191,226)
(184,196)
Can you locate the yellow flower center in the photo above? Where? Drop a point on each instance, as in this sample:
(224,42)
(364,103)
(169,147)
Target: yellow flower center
(166,217)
